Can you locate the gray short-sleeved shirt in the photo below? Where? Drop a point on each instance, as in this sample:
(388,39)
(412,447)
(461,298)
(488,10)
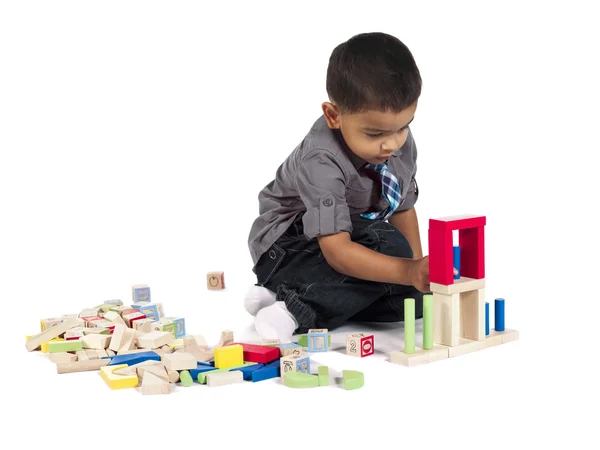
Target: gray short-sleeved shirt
(325,180)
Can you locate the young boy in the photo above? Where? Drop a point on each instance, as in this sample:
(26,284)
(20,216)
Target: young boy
(337,237)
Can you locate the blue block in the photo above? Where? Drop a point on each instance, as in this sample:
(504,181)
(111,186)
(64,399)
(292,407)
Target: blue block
(204,364)
(487,318)
(499,314)
(276,363)
(200,369)
(134,358)
(313,339)
(457,261)
(248,370)
(265,374)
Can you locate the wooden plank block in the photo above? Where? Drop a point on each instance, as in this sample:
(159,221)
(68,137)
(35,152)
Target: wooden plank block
(157,369)
(420,356)
(155,339)
(179,361)
(223,378)
(465,346)
(81,366)
(91,353)
(82,356)
(117,337)
(96,341)
(64,346)
(259,353)
(300,380)
(127,342)
(51,333)
(226,338)
(458,222)
(228,356)
(463,284)
(472,315)
(63,357)
(446,319)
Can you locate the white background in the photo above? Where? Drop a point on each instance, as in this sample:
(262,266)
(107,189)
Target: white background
(135,137)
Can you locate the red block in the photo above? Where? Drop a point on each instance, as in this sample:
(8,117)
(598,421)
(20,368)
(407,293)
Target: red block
(441,257)
(456,222)
(259,353)
(367,346)
(472,257)
(131,325)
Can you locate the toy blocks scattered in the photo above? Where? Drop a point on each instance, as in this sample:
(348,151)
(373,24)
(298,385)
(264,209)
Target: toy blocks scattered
(360,344)
(215,281)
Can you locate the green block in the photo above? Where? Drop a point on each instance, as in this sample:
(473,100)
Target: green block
(427,322)
(409,325)
(300,380)
(303,340)
(170,328)
(323,376)
(65,346)
(202,376)
(185,378)
(353,379)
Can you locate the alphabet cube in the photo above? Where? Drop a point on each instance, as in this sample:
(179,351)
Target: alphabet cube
(317,340)
(360,344)
(141,293)
(215,281)
(296,363)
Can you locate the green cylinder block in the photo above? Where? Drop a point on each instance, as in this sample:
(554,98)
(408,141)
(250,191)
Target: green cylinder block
(409,325)
(428,321)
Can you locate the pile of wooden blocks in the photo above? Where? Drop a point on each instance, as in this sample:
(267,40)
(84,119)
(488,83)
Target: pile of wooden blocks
(138,347)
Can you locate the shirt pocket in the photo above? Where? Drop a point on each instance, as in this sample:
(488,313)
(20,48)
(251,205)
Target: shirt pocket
(358,199)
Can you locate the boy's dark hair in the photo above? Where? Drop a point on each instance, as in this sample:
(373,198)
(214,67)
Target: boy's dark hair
(373,71)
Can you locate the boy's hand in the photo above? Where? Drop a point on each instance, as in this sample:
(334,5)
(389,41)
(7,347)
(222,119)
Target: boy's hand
(419,274)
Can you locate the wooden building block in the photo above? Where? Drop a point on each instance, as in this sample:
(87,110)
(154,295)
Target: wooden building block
(270,342)
(446,319)
(353,379)
(259,353)
(303,340)
(75,332)
(134,358)
(140,293)
(82,355)
(202,342)
(91,354)
(45,347)
(64,346)
(157,369)
(472,314)
(128,340)
(294,363)
(49,322)
(101,353)
(179,361)
(465,346)
(318,340)
(323,372)
(226,339)
(117,337)
(143,325)
(179,324)
(191,346)
(223,378)
(152,384)
(289,349)
(117,381)
(155,339)
(420,356)
(500,337)
(81,366)
(152,311)
(51,333)
(173,376)
(132,316)
(96,341)
(229,356)
(300,380)
(360,344)
(462,284)
(215,280)
(63,357)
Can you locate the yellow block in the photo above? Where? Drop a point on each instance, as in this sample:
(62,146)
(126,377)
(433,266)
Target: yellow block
(118,381)
(229,356)
(45,345)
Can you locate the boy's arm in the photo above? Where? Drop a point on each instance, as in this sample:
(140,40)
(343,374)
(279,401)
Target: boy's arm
(406,223)
(355,260)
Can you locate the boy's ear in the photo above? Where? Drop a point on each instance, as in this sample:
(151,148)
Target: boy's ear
(332,114)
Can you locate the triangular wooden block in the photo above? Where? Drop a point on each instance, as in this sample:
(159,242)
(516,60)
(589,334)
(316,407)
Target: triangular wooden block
(154,385)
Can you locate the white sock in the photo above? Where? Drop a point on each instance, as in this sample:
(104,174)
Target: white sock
(275,322)
(257,298)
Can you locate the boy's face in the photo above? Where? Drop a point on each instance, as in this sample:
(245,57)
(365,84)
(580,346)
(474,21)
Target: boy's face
(372,135)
